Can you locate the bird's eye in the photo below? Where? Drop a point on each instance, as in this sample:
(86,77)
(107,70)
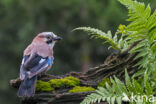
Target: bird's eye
(48,37)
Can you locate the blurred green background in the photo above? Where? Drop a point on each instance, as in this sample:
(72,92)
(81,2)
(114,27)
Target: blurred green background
(22,20)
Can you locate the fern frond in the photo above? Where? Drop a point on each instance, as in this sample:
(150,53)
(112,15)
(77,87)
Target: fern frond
(99,96)
(108,37)
(142,27)
(142,21)
(116,93)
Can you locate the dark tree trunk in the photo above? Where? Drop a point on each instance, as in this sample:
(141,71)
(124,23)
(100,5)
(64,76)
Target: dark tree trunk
(115,64)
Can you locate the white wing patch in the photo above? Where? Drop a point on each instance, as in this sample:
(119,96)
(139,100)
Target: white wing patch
(22,61)
(42,60)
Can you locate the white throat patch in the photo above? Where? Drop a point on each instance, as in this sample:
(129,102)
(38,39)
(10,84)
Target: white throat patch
(52,44)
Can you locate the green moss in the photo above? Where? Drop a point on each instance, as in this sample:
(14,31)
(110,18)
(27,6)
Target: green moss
(81,89)
(57,83)
(43,86)
(103,82)
(67,82)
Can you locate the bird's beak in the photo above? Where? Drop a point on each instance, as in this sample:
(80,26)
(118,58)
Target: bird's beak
(57,38)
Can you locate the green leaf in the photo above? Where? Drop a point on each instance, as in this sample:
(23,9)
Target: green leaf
(128,82)
(95,33)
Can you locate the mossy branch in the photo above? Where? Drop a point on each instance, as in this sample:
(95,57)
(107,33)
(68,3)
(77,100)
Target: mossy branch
(72,87)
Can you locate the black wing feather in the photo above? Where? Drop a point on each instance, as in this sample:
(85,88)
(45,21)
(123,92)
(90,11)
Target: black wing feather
(34,61)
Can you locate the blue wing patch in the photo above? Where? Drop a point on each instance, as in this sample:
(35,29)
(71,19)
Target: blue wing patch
(50,60)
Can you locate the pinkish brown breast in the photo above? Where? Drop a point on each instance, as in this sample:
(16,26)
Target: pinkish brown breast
(39,48)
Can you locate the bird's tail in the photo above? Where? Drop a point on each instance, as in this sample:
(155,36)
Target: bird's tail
(27,87)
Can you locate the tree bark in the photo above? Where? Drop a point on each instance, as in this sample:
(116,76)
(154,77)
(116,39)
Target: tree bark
(115,64)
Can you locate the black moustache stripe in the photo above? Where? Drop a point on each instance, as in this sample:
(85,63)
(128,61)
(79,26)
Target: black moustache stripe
(49,41)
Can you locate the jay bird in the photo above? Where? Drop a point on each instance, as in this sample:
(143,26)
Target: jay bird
(37,59)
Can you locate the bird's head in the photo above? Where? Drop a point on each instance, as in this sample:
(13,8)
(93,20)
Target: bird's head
(48,37)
